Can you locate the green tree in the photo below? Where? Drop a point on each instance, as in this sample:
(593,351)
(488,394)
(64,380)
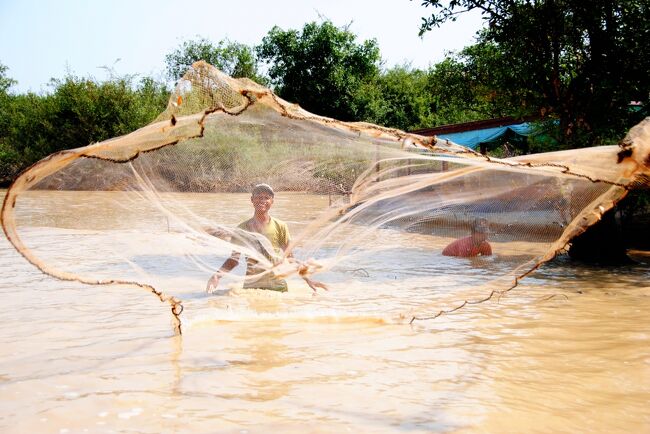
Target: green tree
(5,100)
(322,68)
(581,62)
(84,111)
(233,58)
(151,98)
(453,95)
(404,99)
(5,82)
(78,112)
(9,157)
(476,83)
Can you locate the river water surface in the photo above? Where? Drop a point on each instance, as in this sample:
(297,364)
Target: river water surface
(566,351)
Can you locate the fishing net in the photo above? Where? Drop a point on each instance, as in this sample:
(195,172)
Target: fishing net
(369,211)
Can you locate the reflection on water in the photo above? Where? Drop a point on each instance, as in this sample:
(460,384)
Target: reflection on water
(567,351)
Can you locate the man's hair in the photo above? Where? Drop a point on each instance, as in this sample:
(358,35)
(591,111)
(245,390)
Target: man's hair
(262,188)
(480,225)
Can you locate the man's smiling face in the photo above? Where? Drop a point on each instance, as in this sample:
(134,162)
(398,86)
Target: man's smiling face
(262,202)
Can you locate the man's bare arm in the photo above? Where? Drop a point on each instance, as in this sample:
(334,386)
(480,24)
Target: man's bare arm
(226,267)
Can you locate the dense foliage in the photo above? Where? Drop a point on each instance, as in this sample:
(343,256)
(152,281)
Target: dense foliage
(576,65)
(233,58)
(579,62)
(322,68)
(77,112)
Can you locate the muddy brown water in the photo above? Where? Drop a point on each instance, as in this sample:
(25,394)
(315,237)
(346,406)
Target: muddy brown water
(566,351)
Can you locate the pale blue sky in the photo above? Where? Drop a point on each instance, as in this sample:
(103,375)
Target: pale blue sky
(44,39)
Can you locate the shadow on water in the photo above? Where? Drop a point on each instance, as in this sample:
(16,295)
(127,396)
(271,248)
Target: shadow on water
(571,271)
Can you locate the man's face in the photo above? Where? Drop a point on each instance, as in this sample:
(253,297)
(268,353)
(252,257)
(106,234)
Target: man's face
(262,202)
(479,237)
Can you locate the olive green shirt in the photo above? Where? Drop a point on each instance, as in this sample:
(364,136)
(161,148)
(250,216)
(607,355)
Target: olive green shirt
(277,232)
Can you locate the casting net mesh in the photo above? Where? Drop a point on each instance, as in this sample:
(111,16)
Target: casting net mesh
(369,209)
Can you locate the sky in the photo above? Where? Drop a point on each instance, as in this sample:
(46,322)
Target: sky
(44,39)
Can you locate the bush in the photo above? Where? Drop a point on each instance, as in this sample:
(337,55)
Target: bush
(78,112)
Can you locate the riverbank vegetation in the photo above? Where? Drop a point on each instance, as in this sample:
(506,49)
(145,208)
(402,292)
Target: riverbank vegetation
(582,71)
(78,111)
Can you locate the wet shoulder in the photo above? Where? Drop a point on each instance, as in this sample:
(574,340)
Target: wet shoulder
(245,225)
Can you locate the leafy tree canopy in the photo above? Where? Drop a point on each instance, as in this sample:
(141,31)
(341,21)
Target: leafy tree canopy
(5,82)
(581,62)
(233,58)
(78,112)
(401,99)
(321,67)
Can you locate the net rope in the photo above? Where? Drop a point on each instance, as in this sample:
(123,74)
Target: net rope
(388,222)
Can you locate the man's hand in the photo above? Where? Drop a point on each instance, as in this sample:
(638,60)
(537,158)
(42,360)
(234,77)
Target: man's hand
(213,283)
(218,232)
(313,284)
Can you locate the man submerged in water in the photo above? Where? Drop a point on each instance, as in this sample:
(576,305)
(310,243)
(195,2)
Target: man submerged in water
(473,245)
(275,231)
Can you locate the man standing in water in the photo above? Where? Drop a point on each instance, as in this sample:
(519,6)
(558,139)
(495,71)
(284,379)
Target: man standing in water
(473,245)
(274,230)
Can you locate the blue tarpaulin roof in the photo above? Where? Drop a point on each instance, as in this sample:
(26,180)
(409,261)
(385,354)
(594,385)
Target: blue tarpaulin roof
(474,138)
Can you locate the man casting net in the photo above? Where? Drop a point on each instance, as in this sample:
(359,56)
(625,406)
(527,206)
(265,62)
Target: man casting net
(361,210)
